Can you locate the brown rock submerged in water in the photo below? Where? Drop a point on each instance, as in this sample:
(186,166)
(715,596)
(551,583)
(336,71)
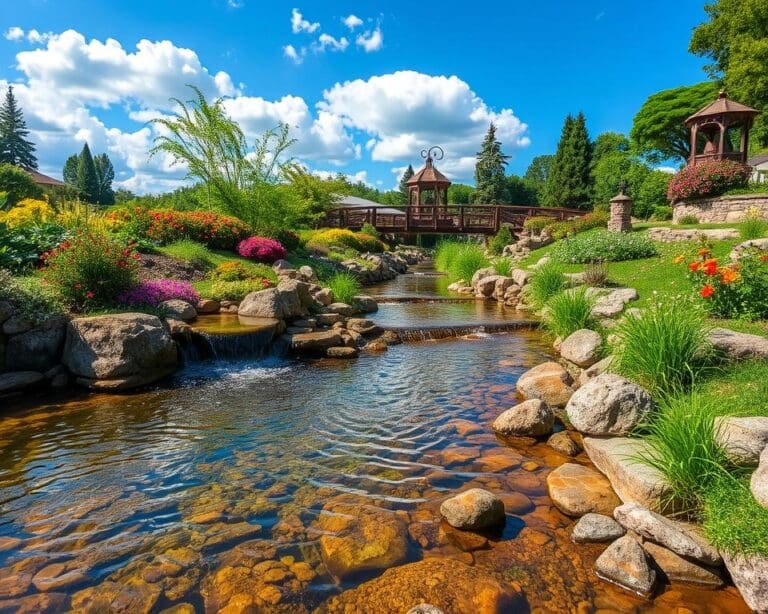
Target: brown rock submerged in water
(473,509)
(577,490)
(549,382)
(625,563)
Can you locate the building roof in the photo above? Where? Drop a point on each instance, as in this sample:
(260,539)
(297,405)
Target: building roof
(723,105)
(758,160)
(356,201)
(41,179)
(429,175)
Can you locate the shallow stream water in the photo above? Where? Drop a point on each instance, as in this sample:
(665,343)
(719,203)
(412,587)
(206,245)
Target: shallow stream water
(227,486)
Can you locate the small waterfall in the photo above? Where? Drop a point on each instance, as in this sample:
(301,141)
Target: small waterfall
(445,332)
(211,346)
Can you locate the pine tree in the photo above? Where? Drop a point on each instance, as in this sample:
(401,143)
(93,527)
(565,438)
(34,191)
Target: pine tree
(14,146)
(490,182)
(105,175)
(403,186)
(569,182)
(87,180)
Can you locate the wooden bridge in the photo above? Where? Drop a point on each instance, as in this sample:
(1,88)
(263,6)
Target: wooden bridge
(443,219)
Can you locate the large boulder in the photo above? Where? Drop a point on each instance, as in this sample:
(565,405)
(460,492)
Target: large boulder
(37,349)
(366,304)
(481,274)
(633,481)
(531,418)
(549,382)
(486,286)
(521,276)
(743,437)
(582,348)
(750,575)
(315,343)
(281,303)
(608,405)
(625,563)
(759,480)
(119,351)
(679,569)
(679,537)
(473,509)
(738,346)
(577,490)
(596,528)
(179,310)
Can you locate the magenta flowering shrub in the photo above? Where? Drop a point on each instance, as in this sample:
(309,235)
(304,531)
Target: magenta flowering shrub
(152,292)
(261,249)
(710,178)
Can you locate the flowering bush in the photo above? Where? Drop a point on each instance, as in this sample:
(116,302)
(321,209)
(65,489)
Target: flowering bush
(340,237)
(27,212)
(91,270)
(237,290)
(166,226)
(603,246)
(261,249)
(734,290)
(710,178)
(152,292)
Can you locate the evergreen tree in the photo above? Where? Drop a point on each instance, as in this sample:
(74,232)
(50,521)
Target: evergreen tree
(105,175)
(403,186)
(490,183)
(87,180)
(14,146)
(69,172)
(569,180)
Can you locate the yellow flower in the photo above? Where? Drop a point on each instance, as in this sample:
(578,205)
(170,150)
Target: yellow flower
(678,259)
(28,211)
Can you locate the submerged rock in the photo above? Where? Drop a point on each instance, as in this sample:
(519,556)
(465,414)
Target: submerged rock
(679,569)
(531,418)
(473,509)
(593,528)
(577,490)
(134,596)
(562,442)
(625,563)
(549,382)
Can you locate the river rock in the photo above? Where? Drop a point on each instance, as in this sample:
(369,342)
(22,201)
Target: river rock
(625,563)
(743,437)
(596,528)
(611,304)
(481,274)
(207,306)
(307,274)
(549,382)
(132,596)
(679,569)
(37,603)
(38,349)
(679,537)
(300,288)
(363,326)
(633,481)
(324,296)
(577,490)
(600,367)
(179,310)
(19,380)
(366,304)
(582,348)
(521,276)
(759,481)
(608,405)
(119,351)
(315,343)
(531,418)
(342,352)
(473,509)
(738,346)
(275,303)
(750,575)
(340,308)
(562,442)
(446,583)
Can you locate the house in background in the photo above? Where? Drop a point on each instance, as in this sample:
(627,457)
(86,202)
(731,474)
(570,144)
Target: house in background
(759,166)
(44,181)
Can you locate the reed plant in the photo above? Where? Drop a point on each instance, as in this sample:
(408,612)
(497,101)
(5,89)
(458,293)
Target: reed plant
(460,260)
(503,266)
(595,275)
(546,282)
(345,287)
(569,311)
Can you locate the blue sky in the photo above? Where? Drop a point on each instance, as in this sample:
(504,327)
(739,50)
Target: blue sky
(363,94)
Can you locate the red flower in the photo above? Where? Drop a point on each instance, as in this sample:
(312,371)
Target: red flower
(89,294)
(710,267)
(694,266)
(707,291)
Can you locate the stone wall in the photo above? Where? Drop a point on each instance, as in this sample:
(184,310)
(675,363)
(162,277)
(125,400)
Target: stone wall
(721,209)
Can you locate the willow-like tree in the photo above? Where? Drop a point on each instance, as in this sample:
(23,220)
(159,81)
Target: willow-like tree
(490,183)
(15,148)
(569,181)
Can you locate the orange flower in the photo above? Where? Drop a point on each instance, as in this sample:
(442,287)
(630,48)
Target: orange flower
(710,267)
(704,251)
(678,259)
(729,276)
(694,266)
(764,258)
(707,291)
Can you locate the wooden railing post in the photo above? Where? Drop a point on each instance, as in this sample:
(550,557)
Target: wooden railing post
(373,217)
(496,213)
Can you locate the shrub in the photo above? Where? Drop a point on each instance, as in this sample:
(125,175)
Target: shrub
(503,266)
(234,270)
(17,184)
(662,213)
(189,251)
(537,223)
(91,270)
(664,347)
(754,225)
(28,296)
(370,230)
(733,519)
(344,286)
(734,290)
(22,248)
(688,220)
(569,311)
(683,446)
(238,289)
(289,239)
(500,240)
(595,275)
(546,282)
(596,219)
(340,237)
(604,246)
(152,292)
(27,212)
(710,178)
(261,249)
(469,259)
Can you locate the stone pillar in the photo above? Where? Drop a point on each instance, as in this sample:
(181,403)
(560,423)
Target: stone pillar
(621,214)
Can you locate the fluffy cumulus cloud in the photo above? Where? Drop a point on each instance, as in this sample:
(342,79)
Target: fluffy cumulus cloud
(371,41)
(352,21)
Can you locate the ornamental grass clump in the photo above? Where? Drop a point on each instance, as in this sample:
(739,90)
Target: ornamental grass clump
(754,225)
(665,347)
(261,249)
(682,444)
(569,311)
(345,287)
(503,266)
(237,290)
(152,292)
(91,270)
(546,282)
(603,246)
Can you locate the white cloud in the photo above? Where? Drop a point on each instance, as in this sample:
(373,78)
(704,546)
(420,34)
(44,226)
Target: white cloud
(291,53)
(667,169)
(352,21)
(235,4)
(371,41)
(33,36)
(299,24)
(326,41)
(14,33)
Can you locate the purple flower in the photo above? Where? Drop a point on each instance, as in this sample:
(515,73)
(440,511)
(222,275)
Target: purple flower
(152,292)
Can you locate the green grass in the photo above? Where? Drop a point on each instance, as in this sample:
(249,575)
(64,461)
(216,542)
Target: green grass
(733,520)
(218,257)
(683,447)
(192,252)
(569,311)
(345,287)
(753,228)
(740,389)
(460,260)
(503,266)
(547,281)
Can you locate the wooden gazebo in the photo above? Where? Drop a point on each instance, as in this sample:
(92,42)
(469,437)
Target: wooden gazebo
(720,131)
(428,187)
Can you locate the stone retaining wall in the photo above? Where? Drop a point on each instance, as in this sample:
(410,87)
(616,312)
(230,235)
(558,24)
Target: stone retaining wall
(720,209)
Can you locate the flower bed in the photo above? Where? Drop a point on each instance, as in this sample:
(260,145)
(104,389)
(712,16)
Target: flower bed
(710,178)
(603,246)
(152,292)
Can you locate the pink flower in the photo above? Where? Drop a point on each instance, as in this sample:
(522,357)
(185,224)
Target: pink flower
(261,249)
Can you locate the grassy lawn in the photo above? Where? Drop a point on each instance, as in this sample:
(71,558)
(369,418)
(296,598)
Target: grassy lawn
(738,390)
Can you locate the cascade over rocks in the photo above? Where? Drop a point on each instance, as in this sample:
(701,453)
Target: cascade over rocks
(473,509)
(531,418)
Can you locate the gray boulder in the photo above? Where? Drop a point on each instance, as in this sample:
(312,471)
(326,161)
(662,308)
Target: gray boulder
(119,351)
(608,405)
(480,274)
(280,303)
(759,480)
(738,346)
(743,437)
(179,310)
(596,528)
(549,382)
(596,369)
(625,563)
(366,304)
(760,245)
(750,575)
(38,349)
(363,326)
(324,296)
(473,509)
(521,276)
(611,303)
(531,418)
(582,348)
(19,380)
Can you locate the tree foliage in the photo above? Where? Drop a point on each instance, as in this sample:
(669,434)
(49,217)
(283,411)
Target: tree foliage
(536,175)
(518,191)
(15,148)
(460,194)
(569,179)
(403,185)
(658,132)
(86,179)
(489,171)
(17,184)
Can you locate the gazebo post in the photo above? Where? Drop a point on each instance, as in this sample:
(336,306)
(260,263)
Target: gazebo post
(428,178)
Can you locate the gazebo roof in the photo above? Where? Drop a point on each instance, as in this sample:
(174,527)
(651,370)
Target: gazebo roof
(429,175)
(722,106)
